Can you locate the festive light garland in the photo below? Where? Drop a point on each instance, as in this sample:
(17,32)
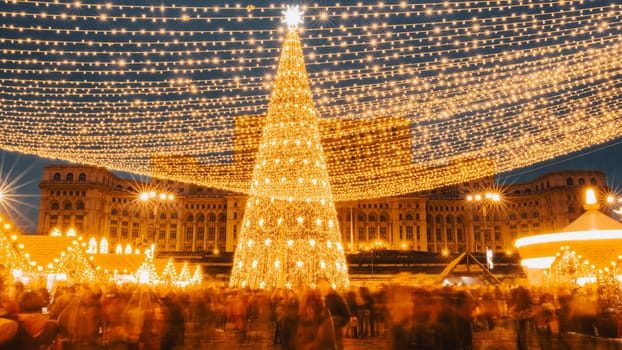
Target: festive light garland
(131,86)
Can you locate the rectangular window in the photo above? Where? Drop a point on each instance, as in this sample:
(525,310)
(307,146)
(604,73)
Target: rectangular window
(460,235)
(200,234)
(372,233)
(162,234)
(497,236)
(172,246)
(222,234)
(189,234)
(449,235)
(66,220)
(418,233)
(409,233)
(361,234)
(211,233)
(187,247)
(124,232)
(428,235)
(383,233)
(401,234)
(439,235)
(477,236)
(173,232)
(235,231)
(79,223)
(135,229)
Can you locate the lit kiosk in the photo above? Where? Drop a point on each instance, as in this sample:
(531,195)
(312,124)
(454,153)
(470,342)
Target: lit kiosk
(594,236)
(290,236)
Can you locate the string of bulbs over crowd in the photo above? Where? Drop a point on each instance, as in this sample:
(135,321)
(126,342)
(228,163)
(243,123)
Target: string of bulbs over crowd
(410,95)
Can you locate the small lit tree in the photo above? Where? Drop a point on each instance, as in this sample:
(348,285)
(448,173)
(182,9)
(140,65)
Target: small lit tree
(169,275)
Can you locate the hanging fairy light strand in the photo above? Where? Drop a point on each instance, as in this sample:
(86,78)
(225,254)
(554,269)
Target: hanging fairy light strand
(411,95)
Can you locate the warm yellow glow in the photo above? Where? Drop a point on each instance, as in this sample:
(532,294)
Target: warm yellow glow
(582,281)
(56,232)
(71,233)
(538,263)
(103,246)
(590,197)
(92,249)
(568,237)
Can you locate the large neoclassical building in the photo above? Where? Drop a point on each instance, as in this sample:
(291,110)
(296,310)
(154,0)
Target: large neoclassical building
(97,203)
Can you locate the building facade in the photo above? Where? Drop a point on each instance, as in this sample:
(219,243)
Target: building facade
(96,203)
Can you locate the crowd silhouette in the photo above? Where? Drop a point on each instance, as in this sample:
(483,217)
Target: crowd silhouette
(132,317)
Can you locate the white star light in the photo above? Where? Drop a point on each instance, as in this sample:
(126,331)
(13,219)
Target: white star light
(293,16)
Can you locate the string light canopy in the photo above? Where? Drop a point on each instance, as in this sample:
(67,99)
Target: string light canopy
(410,95)
(290,236)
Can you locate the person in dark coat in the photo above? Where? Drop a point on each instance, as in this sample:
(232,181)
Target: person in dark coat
(174,319)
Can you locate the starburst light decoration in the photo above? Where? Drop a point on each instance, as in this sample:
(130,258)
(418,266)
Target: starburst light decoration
(290,235)
(292,16)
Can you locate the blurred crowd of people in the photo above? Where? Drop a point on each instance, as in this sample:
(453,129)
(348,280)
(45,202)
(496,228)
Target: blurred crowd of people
(127,317)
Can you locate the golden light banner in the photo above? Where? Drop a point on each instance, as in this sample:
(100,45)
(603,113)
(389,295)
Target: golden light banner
(409,95)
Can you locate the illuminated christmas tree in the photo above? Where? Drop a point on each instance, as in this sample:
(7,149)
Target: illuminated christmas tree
(197,277)
(146,272)
(75,263)
(290,235)
(184,276)
(169,275)
(13,260)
